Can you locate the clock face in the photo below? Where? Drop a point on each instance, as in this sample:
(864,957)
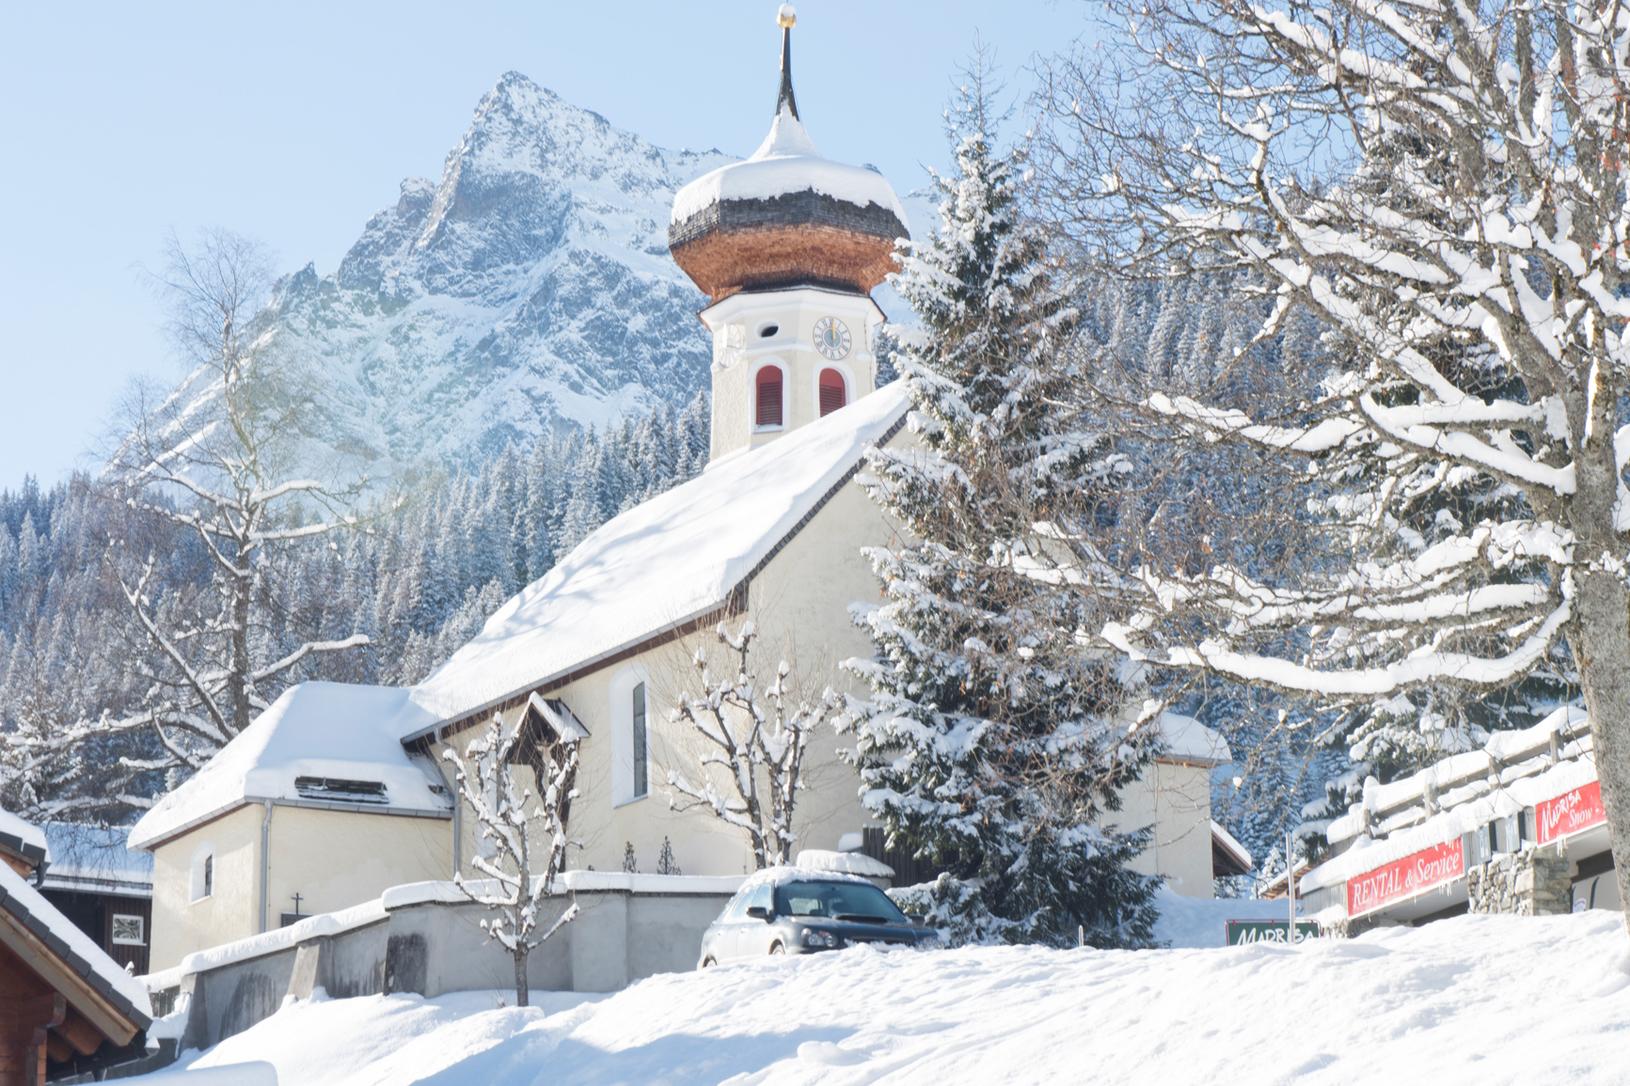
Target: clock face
(832,338)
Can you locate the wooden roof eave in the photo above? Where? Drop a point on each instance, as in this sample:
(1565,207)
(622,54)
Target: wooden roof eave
(109,1021)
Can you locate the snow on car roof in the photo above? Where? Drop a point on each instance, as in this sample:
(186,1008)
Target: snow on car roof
(340,732)
(780,876)
(662,563)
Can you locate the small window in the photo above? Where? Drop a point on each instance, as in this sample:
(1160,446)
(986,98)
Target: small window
(341,790)
(767,397)
(129,929)
(834,391)
(203,875)
(642,783)
(768,330)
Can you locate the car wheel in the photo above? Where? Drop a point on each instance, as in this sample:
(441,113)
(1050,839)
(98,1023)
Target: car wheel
(708,963)
(777,948)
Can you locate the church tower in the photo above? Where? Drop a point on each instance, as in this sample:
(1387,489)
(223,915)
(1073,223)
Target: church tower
(788,245)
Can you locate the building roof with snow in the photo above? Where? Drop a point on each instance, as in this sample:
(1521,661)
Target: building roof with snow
(320,744)
(95,859)
(21,840)
(101,1003)
(666,562)
(785,215)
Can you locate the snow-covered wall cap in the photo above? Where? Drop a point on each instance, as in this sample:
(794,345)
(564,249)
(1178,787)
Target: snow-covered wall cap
(656,566)
(1187,739)
(318,729)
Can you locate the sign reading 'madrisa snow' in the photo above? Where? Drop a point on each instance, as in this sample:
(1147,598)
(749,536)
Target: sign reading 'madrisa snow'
(1405,878)
(1569,813)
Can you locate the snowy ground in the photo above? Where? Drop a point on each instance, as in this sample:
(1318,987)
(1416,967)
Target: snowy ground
(1475,999)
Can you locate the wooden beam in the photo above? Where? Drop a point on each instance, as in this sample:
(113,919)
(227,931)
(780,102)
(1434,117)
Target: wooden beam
(56,973)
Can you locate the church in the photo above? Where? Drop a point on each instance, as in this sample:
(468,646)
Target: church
(338,792)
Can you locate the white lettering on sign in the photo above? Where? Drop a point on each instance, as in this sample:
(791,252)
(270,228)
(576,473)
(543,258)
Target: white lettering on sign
(1405,878)
(1569,813)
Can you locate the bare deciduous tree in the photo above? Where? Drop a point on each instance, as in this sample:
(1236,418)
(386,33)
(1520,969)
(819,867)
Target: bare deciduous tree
(517,883)
(750,770)
(212,461)
(1413,175)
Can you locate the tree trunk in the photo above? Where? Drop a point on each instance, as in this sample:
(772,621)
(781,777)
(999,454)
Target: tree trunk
(1601,646)
(522,991)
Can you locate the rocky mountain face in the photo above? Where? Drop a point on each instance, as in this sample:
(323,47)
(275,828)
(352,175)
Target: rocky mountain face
(527,289)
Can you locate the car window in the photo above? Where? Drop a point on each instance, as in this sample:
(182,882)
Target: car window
(854,899)
(762,896)
(735,909)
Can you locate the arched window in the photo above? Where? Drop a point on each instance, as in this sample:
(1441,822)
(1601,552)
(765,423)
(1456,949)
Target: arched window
(767,397)
(834,391)
(202,874)
(641,757)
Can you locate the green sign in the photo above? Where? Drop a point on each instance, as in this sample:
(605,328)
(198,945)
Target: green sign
(1241,932)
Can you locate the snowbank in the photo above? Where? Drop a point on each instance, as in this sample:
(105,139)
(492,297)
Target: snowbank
(1203,922)
(1475,999)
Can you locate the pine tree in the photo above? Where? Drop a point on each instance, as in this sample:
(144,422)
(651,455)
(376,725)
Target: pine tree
(989,744)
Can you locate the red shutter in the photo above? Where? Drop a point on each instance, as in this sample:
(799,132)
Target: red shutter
(767,399)
(834,393)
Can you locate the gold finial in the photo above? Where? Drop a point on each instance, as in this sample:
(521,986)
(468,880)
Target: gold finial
(786,17)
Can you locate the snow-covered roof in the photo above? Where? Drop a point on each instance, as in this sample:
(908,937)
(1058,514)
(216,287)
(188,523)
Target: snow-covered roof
(785,163)
(1515,770)
(29,908)
(656,566)
(307,747)
(22,837)
(1186,739)
(1221,838)
(97,858)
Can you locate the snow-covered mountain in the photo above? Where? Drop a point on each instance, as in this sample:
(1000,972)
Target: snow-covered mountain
(529,287)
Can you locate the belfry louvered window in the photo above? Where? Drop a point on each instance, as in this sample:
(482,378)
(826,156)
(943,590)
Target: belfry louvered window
(834,391)
(767,397)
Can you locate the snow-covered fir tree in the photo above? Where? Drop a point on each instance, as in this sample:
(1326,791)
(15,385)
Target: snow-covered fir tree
(989,745)
(1505,242)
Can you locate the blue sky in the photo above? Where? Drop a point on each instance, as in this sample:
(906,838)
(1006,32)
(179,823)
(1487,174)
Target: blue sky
(294,122)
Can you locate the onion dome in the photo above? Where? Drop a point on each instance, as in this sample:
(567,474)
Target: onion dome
(785,216)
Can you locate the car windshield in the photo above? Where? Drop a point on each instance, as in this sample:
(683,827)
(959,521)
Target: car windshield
(838,900)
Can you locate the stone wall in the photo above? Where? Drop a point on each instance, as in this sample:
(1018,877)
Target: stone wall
(430,942)
(1533,882)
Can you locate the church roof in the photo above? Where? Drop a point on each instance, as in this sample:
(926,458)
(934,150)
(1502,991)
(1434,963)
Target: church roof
(786,215)
(319,744)
(659,565)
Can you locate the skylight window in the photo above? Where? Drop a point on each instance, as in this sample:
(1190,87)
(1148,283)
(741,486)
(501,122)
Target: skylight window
(339,790)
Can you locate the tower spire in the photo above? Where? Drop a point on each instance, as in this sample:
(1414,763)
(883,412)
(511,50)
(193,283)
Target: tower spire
(786,18)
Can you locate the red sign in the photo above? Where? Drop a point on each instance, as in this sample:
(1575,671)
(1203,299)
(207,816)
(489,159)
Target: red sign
(1415,873)
(1569,813)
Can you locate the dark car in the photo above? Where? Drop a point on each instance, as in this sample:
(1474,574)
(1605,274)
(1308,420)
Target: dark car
(803,913)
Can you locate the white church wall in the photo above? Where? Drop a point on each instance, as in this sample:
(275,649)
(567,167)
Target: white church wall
(183,924)
(336,859)
(1175,800)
